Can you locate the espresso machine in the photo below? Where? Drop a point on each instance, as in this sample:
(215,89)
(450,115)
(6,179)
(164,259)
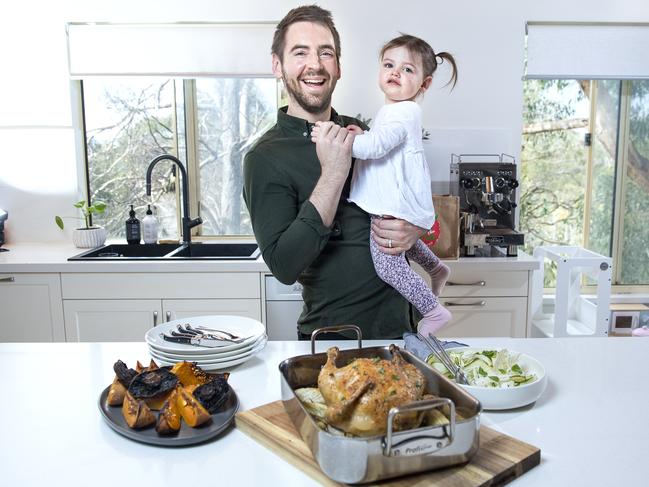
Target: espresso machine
(486,185)
(3,217)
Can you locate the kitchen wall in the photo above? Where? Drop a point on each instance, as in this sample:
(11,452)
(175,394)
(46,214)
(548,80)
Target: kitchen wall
(40,168)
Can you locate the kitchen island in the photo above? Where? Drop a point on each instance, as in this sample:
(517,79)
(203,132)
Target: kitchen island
(590,423)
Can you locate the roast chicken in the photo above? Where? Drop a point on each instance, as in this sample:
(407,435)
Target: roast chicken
(359,395)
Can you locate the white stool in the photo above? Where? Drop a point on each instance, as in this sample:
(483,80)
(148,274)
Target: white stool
(574,315)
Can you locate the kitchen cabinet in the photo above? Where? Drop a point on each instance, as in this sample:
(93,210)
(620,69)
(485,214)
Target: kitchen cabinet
(110,320)
(30,308)
(485,303)
(123,306)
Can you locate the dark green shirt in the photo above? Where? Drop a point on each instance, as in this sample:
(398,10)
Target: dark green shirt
(333,264)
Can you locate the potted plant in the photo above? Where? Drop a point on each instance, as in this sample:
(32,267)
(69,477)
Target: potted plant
(88,236)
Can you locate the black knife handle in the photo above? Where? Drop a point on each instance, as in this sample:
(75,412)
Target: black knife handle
(177,339)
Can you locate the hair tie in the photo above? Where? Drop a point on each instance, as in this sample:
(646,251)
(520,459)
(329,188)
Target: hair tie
(441,59)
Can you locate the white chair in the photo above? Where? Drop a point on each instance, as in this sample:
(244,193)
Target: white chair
(574,315)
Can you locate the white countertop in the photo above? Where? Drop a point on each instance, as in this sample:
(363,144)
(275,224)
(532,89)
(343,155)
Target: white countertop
(590,424)
(52,257)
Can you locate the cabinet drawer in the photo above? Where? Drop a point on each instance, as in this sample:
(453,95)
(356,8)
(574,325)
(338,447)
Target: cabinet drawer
(464,282)
(161,285)
(486,317)
(174,309)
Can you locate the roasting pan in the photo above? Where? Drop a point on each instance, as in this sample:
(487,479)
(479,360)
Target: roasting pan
(356,460)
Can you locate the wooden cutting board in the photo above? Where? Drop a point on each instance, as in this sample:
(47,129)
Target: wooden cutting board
(499,460)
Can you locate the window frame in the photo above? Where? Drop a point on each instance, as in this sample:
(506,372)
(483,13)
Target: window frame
(619,200)
(191,161)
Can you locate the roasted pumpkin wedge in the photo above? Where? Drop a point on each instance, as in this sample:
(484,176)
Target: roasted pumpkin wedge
(169,417)
(136,413)
(157,402)
(189,373)
(190,409)
(116,393)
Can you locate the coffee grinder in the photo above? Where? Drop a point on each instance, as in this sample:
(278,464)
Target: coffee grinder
(486,185)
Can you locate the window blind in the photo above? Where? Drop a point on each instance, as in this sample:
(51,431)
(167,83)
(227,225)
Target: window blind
(184,49)
(564,50)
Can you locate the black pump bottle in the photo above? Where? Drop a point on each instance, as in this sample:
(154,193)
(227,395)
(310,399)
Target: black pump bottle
(133,232)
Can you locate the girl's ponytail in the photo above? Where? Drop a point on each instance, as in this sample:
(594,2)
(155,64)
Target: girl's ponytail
(440,57)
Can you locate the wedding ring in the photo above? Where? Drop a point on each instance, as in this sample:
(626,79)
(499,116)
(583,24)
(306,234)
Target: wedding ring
(390,243)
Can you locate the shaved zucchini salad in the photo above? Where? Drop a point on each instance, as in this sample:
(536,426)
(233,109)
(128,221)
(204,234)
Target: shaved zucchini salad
(486,368)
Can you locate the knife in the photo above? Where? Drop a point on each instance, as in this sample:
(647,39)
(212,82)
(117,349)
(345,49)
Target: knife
(197,341)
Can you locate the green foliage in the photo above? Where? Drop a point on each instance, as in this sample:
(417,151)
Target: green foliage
(554,172)
(86,211)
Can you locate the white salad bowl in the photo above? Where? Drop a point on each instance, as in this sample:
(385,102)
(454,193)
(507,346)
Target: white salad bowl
(495,398)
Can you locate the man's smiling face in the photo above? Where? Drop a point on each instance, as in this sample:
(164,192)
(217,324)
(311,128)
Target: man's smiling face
(309,69)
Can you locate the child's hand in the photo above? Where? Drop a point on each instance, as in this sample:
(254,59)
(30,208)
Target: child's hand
(355,129)
(314,132)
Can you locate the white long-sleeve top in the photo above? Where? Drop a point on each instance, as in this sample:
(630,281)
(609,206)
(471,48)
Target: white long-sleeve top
(391,175)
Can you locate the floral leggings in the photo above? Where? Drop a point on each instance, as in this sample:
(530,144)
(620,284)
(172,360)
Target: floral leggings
(395,271)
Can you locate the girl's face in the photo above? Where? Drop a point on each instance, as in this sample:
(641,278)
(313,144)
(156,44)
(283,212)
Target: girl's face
(401,75)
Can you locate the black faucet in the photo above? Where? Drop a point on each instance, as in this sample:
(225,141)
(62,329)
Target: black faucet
(188,224)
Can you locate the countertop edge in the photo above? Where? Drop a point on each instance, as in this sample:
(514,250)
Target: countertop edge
(52,258)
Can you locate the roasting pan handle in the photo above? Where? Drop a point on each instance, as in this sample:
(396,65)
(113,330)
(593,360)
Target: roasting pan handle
(421,443)
(338,328)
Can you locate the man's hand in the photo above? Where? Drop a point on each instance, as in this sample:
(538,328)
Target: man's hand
(394,236)
(334,150)
(354,129)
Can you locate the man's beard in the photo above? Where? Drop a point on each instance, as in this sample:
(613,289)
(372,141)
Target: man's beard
(309,103)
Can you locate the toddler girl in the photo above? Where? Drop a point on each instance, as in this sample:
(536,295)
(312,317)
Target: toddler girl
(391,175)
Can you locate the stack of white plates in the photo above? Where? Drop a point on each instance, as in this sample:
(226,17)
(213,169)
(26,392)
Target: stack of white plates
(228,354)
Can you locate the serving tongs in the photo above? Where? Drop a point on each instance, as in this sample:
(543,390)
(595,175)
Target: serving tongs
(440,352)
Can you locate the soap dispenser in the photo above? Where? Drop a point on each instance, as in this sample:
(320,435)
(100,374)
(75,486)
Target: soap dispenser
(150,227)
(132,228)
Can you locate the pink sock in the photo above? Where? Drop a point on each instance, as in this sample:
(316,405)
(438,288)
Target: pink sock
(438,277)
(434,320)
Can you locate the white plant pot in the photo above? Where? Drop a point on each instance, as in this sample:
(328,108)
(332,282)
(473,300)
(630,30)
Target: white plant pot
(87,238)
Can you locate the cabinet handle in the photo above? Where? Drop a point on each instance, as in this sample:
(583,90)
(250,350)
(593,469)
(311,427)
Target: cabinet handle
(168,315)
(477,283)
(155,318)
(478,304)
(7,279)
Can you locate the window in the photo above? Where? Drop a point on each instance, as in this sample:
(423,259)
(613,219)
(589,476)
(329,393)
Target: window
(585,170)
(208,123)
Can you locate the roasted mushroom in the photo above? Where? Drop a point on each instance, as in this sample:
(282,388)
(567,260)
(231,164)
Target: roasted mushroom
(213,394)
(153,386)
(152,383)
(124,374)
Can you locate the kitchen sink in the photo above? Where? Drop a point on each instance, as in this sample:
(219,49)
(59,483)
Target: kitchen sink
(194,251)
(220,250)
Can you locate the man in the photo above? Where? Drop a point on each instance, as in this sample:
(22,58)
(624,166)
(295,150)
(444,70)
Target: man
(297,196)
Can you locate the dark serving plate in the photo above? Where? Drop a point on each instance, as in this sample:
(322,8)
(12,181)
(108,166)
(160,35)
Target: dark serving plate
(186,436)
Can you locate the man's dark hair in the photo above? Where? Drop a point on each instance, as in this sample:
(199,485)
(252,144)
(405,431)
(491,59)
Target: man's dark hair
(305,13)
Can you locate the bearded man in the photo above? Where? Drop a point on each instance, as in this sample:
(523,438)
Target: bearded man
(297,196)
